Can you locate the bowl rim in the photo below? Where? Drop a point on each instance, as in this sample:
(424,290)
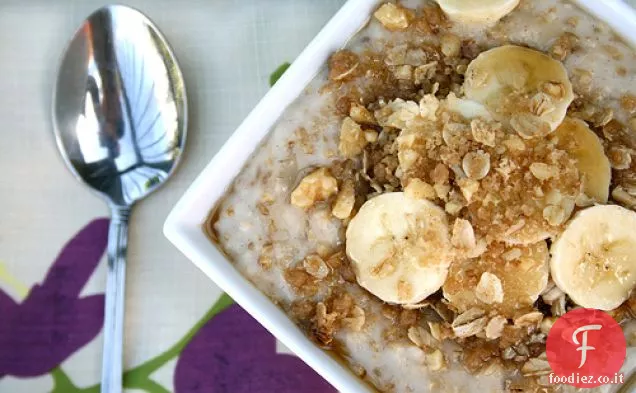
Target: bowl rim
(184,224)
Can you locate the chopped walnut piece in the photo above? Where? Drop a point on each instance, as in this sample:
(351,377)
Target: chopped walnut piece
(514,143)
(419,55)
(356,321)
(495,327)
(317,186)
(396,55)
(453,207)
(530,319)
(352,138)
(440,174)
(403,72)
(361,115)
(343,206)
(371,136)
(483,132)
(489,289)
(442,191)
(468,187)
(476,164)
(428,107)
(435,360)
(424,72)
(469,323)
(419,189)
(343,65)
(455,134)
(451,45)
(619,157)
(392,17)
(463,234)
(397,113)
(315,266)
(529,126)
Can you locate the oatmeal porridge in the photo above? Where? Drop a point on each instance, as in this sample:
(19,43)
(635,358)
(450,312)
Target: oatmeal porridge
(457,178)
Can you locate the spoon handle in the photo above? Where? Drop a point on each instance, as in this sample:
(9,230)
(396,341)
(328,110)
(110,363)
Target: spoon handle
(115,294)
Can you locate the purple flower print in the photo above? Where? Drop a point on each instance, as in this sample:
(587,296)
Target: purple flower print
(233,353)
(53,321)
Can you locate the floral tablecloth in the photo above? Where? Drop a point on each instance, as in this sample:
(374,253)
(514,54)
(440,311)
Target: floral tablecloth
(181,334)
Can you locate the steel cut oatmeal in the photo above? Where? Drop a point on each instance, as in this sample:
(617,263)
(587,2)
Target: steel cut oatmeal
(455,179)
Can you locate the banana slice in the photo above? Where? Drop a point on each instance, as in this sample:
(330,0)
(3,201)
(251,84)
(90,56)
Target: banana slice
(477,11)
(582,144)
(594,259)
(521,273)
(522,86)
(400,247)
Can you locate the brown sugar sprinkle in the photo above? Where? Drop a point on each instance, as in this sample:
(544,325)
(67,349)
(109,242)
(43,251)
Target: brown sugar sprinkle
(408,318)
(344,65)
(478,354)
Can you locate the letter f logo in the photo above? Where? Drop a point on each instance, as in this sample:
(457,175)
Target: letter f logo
(583,346)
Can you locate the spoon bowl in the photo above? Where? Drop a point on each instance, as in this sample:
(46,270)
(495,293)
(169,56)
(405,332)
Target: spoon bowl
(119,105)
(120,120)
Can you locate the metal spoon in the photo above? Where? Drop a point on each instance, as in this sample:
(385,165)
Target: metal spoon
(120,114)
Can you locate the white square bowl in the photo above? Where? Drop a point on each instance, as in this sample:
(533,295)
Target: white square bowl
(184,225)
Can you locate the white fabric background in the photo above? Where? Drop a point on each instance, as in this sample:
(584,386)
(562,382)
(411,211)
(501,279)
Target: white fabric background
(227,50)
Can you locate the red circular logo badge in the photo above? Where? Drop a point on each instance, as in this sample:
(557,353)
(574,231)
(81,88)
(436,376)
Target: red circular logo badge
(586,348)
